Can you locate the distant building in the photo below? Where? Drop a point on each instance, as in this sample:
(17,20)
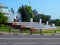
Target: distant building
(4,10)
(8,13)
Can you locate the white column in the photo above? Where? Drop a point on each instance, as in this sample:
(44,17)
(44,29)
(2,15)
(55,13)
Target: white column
(47,23)
(31,19)
(40,21)
(53,24)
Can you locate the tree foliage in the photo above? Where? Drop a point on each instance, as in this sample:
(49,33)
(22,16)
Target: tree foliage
(3,19)
(26,13)
(44,18)
(56,22)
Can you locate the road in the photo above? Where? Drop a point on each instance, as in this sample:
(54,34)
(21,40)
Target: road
(10,39)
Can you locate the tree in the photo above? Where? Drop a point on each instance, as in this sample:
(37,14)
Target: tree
(44,18)
(57,22)
(3,19)
(26,13)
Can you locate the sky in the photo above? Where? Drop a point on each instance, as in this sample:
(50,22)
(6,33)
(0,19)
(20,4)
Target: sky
(47,7)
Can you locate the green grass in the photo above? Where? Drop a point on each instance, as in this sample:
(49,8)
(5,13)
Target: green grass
(48,31)
(6,29)
(43,32)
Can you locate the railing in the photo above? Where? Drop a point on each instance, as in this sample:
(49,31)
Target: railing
(34,25)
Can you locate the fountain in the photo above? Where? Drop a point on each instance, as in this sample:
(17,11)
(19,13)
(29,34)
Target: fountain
(40,21)
(53,26)
(31,19)
(11,16)
(38,25)
(47,26)
(47,23)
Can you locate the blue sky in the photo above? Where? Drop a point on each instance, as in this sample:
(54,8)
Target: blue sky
(49,7)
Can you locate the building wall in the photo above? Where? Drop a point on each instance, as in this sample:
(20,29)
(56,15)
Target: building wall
(4,9)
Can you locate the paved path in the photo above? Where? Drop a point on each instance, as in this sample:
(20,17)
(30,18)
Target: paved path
(9,39)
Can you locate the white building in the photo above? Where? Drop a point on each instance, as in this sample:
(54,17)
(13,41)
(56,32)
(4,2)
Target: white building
(5,10)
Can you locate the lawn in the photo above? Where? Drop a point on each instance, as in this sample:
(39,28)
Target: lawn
(6,29)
